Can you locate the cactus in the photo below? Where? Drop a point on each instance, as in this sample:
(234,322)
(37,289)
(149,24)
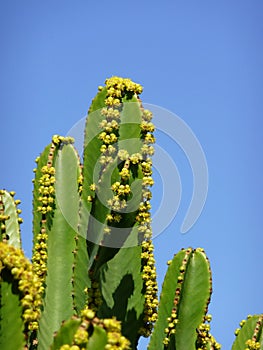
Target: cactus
(182,314)
(91,283)
(250,335)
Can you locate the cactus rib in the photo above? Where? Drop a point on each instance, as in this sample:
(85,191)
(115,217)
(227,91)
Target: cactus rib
(9,219)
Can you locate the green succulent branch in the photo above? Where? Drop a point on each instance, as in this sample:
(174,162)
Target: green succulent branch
(122,133)
(10,219)
(92,281)
(184,300)
(250,334)
(90,332)
(20,297)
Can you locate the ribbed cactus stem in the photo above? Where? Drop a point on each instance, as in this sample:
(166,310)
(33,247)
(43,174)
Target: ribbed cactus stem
(10,219)
(172,320)
(117,177)
(29,285)
(89,332)
(182,313)
(250,335)
(117,137)
(46,193)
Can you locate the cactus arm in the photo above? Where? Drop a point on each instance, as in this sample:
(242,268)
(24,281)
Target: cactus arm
(90,332)
(11,311)
(101,162)
(184,301)
(166,301)
(91,154)
(120,203)
(195,297)
(58,299)
(9,219)
(41,161)
(11,323)
(20,295)
(98,340)
(250,335)
(65,334)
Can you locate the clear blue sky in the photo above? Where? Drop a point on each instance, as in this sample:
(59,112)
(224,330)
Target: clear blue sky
(199,59)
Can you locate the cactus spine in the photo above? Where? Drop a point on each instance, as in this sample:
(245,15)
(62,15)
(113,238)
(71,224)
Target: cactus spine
(92,280)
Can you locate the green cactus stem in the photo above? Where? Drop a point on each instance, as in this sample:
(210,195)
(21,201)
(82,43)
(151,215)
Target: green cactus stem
(56,185)
(250,334)
(10,219)
(89,332)
(20,297)
(116,199)
(116,144)
(184,302)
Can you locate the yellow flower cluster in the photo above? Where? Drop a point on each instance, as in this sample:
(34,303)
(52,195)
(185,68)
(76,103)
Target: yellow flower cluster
(147,150)
(121,190)
(117,204)
(81,336)
(125,174)
(204,339)
(144,215)
(135,158)
(147,115)
(47,199)
(57,140)
(117,87)
(80,180)
(94,299)
(151,289)
(252,345)
(109,126)
(115,340)
(123,154)
(111,113)
(170,329)
(46,189)
(149,138)
(113,217)
(147,127)
(39,258)
(108,150)
(108,139)
(70,347)
(29,285)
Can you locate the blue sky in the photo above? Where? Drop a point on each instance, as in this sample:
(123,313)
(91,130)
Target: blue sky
(202,61)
